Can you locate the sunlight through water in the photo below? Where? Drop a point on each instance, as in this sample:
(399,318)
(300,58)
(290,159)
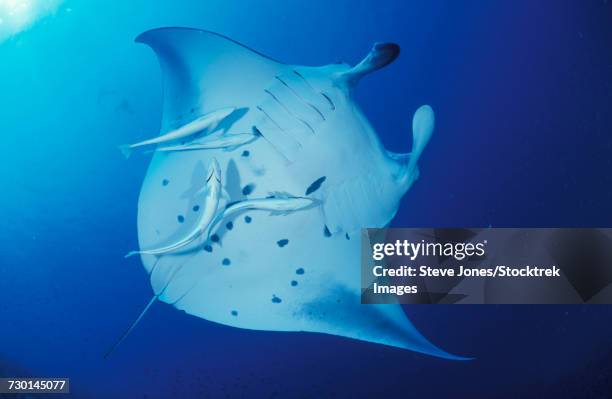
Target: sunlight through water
(18,15)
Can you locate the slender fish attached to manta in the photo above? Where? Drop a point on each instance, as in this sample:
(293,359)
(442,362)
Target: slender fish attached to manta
(213,189)
(214,141)
(208,121)
(280,204)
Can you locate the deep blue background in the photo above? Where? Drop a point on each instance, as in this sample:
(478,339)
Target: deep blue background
(523,96)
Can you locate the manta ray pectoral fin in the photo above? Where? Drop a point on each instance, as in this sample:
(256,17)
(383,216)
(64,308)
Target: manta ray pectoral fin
(195,61)
(381,55)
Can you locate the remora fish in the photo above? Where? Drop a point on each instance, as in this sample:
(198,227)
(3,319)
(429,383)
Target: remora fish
(213,189)
(217,140)
(279,204)
(209,121)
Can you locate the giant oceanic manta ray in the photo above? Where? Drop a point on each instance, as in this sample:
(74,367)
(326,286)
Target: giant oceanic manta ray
(282,250)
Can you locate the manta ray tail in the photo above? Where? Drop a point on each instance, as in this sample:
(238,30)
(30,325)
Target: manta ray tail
(126,150)
(132,326)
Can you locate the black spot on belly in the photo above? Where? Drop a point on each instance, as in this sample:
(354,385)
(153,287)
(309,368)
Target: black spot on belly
(214,238)
(165,182)
(276,299)
(248,189)
(300,271)
(208,248)
(229,225)
(283,242)
(248,219)
(245,153)
(226,262)
(294,283)
(196,208)
(234,313)
(315,185)
(326,232)
(180,218)
(347,236)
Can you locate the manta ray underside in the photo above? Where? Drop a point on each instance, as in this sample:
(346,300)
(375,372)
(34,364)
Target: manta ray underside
(291,270)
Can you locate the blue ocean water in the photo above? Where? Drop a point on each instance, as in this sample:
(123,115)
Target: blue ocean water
(522,92)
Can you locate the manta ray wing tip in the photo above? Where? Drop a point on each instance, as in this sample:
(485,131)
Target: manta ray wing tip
(450,356)
(144,37)
(434,350)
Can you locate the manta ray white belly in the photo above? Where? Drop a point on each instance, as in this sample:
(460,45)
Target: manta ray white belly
(294,271)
